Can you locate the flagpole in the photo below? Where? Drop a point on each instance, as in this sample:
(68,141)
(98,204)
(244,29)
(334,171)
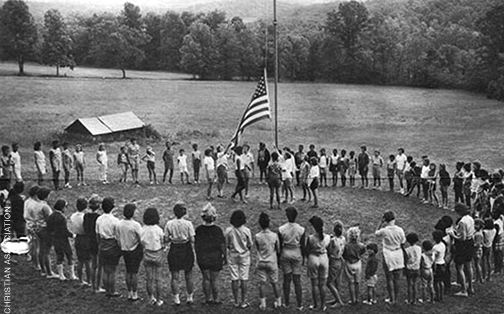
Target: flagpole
(275,39)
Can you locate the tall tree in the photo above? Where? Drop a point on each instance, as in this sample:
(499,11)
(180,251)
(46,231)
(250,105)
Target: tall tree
(57,45)
(131,16)
(198,53)
(18,33)
(173,30)
(117,45)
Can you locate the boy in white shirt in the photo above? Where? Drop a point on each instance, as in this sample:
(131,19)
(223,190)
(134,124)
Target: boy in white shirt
(182,164)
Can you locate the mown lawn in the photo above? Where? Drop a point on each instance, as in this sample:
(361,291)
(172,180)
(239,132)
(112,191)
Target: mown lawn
(446,125)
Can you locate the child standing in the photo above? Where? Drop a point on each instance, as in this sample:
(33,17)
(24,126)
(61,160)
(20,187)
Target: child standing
(150,157)
(391,170)
(180,234)
(123,162)
(6,165)
(134,158)
(488,238)
(352,254)
(444,183)
(377,161)
(128,233)
(342,167)
(16,162)
(67,164)
(333,166)
(352,168)
(304,171)
(58,231)
(458,182)
(274,179)
(102,159)
(56,161)
(313,180)
(40,162)
(239,244)
(439,251)
(79,162)
(89,223)
(413,258)
(168,163)
(336,263)
(323,163)
(209,166)
(151,238)
(268,247)
(466,185)
(182,164)
(431,181)
(196,162)
(371,276)
(478,248)
(426,273)
(81,241)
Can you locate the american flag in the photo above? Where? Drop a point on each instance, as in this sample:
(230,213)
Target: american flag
(258,109)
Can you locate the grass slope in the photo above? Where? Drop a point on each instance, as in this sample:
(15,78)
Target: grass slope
(446,125)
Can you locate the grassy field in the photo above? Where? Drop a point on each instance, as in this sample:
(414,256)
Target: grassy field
(446,125)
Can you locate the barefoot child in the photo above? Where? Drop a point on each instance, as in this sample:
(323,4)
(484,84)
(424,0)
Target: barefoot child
(58,231)
(79,163)
(413,258)
(371,276)
(124,163)
(352,254)
(151,238)
(81,241)
(268,247)
(426,273)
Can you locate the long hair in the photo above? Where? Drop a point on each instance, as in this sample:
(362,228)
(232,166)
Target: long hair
(318,225)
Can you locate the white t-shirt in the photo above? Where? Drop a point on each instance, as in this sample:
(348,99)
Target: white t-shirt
(425,172)
(152,237)
(323,162)
(182,161)
(222,159)
(101,156)
(401,162)
(439,250)
(287,168)
(209,163)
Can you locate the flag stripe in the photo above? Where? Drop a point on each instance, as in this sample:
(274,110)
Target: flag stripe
(256,110)
(250,120)
(256,119)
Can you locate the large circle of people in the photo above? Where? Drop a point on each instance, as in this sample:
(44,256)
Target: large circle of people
(473,243)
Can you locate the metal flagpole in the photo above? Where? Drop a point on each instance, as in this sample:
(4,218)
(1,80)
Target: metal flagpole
(275,39)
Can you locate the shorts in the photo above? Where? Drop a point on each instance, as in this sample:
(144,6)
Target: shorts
(134,161)
(274,183)
(154,258)
(463,251)
(247,174)
(181,257)
(151,165)
(82,248)
(323,170)
(63,250)
(210,261)
(183,169)
(124,167)
(352,171)
(211,176)
(267,271)
(363,172)
(400,173)
(79,167)
(426,275)
(292,265)
(353,272)
(376,171)
(335,269)
(196,164)
(439,272)
(412,273)
(109,252)
(478,252)
(221,174)
(371,281)
(132,259)
(239,266)
(315,184)
(318,266)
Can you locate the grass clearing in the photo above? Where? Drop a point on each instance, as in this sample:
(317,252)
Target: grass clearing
(446,125)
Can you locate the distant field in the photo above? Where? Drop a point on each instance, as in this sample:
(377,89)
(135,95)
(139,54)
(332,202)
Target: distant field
(446,125)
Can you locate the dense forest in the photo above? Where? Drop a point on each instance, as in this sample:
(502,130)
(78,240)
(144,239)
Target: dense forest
(427,43)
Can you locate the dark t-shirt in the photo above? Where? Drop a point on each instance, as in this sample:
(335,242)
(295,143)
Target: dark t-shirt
(209,243)
(363,160)
(371,266)
(353,252)
(90,230)
(57,228)
(17,208)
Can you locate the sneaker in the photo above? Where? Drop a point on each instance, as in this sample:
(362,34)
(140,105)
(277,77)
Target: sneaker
(461,294)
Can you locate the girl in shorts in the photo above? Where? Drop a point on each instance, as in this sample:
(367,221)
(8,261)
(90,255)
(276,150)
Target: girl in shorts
(318,262)
(239,243)
(150,157)
(151,238)
(352,254)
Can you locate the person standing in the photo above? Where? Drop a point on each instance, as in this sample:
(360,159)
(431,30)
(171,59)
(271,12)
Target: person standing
(134,158)
(16,162)
(102,159)
(40,162)
(401,160)
(79,163)
(248,171)
(239,166)
(363,164)
(299,156)
(6,170)
(222,167)
(67,164)
(263,159)
(56,161)
(168,163)
(393,239)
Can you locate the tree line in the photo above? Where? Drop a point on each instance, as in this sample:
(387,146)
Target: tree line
(426,43)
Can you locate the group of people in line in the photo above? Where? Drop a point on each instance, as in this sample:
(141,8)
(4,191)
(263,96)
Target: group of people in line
(101,239)
(280,170)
